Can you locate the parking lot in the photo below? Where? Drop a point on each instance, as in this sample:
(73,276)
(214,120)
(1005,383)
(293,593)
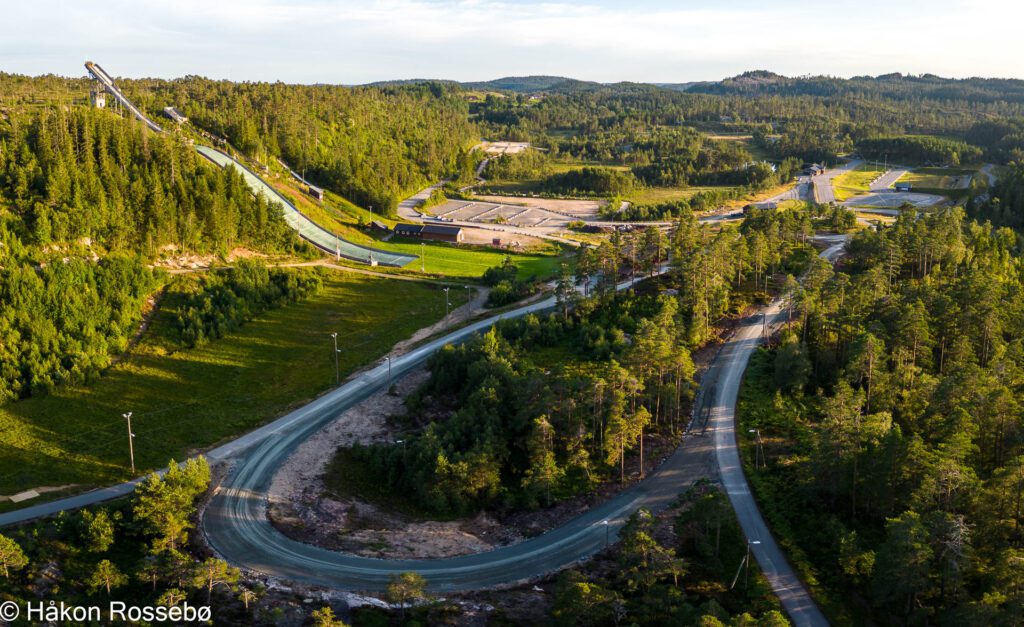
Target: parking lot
(523,213)
(893,200)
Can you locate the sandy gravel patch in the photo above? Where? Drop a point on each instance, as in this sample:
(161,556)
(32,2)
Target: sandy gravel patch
(295,494)
(299,505)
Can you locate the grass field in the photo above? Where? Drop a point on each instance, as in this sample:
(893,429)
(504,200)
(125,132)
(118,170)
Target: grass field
(794,205)
(534,186)
(459,261)
(341,216)
(873,217)
(188,400)
(655,195)
(856,181)
(939,178)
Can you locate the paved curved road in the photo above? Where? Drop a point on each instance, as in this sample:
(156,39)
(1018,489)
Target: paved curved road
(236,523)
(731,364)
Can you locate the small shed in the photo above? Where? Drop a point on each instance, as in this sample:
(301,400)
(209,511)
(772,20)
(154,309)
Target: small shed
(903,186)
(377,225)
(315,192)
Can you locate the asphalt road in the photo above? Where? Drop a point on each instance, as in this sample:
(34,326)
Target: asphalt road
(823,192)
(236,524)
(887,180)
(732,362)
(362,386)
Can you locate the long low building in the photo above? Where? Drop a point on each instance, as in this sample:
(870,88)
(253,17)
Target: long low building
(436,232)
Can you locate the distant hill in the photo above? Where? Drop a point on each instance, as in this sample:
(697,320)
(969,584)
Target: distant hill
(895,85)
(534,84)
(410,81)
(681,86)
(763,83)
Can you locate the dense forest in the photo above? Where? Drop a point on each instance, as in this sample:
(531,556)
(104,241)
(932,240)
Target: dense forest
(893,403)
(810,119)
(374,145)
(62,323)
(916,150)
(86,178)
(498,426)
(1004,204)
(86,199)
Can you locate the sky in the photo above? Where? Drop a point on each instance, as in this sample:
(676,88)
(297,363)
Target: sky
(348,42)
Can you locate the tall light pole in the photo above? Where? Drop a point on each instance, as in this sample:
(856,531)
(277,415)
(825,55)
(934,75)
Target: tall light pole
(131,436)
(388,358)
(447,304)
(758,448)
(606,532)
(746,561)
(337,368)
(423,257)
(469,298)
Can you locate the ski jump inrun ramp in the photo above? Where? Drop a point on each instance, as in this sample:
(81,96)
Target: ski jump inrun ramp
(298,221)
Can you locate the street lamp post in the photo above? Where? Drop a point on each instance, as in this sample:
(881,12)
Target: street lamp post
(606,533)
(131,436)
(758,448)
(746,560)
(388,358)
(469,296)
(447,304)
(337,367)
(423,257)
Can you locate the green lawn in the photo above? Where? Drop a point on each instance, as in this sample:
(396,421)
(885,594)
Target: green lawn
(655,195)
(188,400)
(794,205)
(341,216)
(461,261)
(856,181)
(939,178)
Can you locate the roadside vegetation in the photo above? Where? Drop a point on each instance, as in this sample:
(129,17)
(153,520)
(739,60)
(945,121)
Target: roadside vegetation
(920,150)
(141,551)
(891,431)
